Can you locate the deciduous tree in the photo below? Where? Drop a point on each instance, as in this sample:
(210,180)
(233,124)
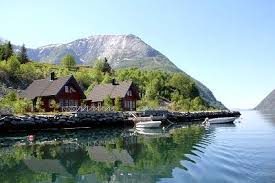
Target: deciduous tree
(68,61)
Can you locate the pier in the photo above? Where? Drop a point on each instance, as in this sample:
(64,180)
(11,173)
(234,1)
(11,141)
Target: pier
(9,123)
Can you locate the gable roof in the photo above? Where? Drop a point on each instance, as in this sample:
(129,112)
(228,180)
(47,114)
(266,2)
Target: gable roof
(46,165)
(100,92)
(47,87)
(102,154)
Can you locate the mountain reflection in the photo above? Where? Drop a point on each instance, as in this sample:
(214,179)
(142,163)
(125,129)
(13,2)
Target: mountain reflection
(98,155)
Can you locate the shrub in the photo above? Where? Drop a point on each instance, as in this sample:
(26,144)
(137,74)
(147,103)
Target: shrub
(18,105)
(108,103)
(118,104)
(54,105)
(39,105)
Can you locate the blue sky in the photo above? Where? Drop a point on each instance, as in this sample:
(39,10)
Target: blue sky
(228,45)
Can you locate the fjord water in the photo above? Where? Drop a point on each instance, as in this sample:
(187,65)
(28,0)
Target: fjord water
(240,152)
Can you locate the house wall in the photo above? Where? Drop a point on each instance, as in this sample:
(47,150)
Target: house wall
(70,96)
(128,103)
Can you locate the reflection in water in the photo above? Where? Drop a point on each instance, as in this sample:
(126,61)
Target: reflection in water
(99,156)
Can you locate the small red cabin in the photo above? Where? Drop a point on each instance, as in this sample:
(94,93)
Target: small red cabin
(125,90)
(64,90)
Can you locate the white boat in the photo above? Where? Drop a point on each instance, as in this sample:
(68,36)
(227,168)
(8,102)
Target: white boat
(220,120)
(148,124)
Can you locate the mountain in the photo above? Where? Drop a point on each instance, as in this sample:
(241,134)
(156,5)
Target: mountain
(268,103)
(122,51)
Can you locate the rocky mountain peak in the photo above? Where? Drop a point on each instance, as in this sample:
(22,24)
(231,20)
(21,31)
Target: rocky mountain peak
(268,103)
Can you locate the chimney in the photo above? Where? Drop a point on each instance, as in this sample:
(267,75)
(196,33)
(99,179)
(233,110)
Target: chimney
(114,81)
(52,76)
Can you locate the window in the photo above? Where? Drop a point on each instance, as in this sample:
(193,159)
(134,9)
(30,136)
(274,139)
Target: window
(73,102)
(132,105)
(66,89)
(129,93)
(72,90)
(66,102)
(61,102)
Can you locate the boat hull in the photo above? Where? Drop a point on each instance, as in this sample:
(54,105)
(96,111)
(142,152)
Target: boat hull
(222,120)
(148,124)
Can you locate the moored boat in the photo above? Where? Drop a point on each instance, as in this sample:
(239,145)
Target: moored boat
(220,120)
(148,124)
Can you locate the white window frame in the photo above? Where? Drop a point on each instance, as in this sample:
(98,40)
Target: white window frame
(67,89)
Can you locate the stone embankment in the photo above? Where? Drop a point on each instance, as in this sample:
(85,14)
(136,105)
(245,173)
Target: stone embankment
(98,119)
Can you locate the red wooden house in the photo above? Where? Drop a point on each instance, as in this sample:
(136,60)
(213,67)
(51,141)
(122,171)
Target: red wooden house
(64,90)
(125,90)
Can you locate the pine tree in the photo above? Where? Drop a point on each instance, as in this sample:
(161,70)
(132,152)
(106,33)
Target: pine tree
(8,51)
(107,68)
(22,56)
(2,52)
(103,66)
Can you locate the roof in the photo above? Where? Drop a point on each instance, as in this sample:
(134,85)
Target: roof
(100,92)
(46,165)
(47,87)
(101,154)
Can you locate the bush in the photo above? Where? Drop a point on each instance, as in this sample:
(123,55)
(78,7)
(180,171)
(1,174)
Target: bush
(118,104)
(18,105)
(54,105)
(108,103)
(39,106)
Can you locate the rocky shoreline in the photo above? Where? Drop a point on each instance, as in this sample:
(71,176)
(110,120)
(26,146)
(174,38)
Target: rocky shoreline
(9,123)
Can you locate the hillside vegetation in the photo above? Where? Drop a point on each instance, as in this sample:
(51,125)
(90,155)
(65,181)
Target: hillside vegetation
(158,89)
(122,51)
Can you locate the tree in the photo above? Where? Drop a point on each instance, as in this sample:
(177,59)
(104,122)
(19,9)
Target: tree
(184,85)
(118,104)
(68,61)
(8,51)
(108,103)
(13,65)
(84,79)
(22,55)
(107,68)
(54,105)
(107,79)
(153,89)
(198,104)
(2,52)
(28,72)
(103,66)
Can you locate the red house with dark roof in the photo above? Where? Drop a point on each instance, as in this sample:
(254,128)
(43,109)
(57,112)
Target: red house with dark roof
(64,90)
(125,90)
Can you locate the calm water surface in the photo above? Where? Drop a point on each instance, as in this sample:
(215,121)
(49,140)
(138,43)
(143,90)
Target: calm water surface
(241,152)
